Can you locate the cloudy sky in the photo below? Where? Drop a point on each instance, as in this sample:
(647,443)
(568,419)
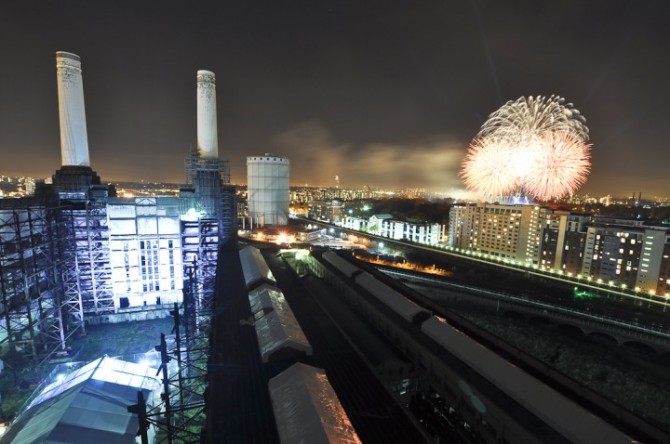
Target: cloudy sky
(384,93)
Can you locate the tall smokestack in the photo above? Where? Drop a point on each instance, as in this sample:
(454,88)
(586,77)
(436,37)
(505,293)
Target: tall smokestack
(208,142)
(71,112)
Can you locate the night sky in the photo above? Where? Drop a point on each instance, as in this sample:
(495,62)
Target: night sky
(384,93)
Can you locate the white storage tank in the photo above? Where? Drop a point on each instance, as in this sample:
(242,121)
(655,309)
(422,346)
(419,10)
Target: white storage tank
(268,189)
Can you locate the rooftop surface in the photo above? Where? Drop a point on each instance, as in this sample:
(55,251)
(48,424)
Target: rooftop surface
(239,407)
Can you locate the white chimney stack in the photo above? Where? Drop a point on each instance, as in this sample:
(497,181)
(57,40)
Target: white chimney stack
(71,112)
(208,142)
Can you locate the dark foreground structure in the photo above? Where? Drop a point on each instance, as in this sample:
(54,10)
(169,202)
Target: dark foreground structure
(401,373)
(239,408)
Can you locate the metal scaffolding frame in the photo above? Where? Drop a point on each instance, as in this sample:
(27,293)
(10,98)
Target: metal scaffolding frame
(36,315)
(91,276)
(180,417)
(214,196)
(194,162)
(200,249)
(228,225)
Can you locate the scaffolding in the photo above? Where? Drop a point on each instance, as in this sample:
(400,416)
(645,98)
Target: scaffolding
(90,277)
(36,316)
(180,417)
(213,195)
(194,162)
(228,225)
(192,330)
(200,249)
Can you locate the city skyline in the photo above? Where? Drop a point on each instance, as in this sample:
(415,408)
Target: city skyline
(336,88)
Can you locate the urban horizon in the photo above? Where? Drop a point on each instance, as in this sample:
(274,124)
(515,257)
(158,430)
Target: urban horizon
(171,188)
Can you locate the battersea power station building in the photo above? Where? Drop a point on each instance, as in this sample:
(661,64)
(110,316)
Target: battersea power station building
(76,253)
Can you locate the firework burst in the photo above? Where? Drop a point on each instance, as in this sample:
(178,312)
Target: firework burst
(559,168)
(487,170)
(531,146)
(534,116)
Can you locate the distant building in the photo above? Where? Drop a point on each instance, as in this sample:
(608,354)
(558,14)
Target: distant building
(331,211)
(506,231)
(308,235)
(386,225)
(30,186)
(420,233)
(355,223)
(375,222)
(612,250)
(629,253)
(563,241)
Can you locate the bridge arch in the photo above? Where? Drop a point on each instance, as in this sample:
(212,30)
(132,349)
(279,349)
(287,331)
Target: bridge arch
(640,347)
(571,330)
(540,320)
(664,358)
(603,338)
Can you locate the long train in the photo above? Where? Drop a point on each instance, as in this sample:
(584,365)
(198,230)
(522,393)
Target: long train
(503,402)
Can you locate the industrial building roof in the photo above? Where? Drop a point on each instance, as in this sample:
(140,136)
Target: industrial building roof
(276,326)
(265,297)
(254,267)
(306,408)
(87,405)
(382,216)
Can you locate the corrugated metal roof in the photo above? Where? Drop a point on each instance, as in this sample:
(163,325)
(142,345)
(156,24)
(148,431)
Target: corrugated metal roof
(276,326)
(306,408)
(254,267)
(88,405)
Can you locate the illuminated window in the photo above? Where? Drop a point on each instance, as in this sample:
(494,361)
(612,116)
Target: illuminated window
(171,263)
(126,265)
(149,265)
